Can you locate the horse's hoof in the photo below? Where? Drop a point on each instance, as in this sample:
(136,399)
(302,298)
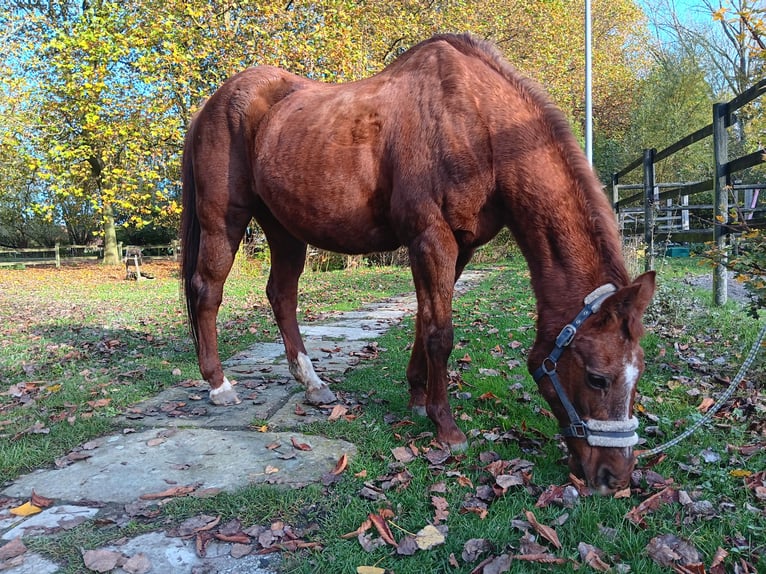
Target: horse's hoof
(225,395)
(419,410)
(459,447)
(320,395)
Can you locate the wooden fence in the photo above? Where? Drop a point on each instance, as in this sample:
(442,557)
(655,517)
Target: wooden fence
(74,253)
(645,212)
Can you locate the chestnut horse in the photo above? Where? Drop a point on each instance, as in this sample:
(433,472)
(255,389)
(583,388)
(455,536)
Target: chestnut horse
(437,152)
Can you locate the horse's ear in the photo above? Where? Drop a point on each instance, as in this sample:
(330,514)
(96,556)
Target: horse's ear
(627,305)
(647,283)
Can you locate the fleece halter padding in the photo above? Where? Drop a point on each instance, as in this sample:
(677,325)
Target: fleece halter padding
(617,434)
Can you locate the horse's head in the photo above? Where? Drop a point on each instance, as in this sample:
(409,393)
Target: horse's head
(588,375)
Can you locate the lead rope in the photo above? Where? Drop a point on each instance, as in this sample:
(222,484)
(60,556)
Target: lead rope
(719,403)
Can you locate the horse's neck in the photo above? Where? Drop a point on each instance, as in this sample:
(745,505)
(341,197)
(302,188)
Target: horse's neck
(570,251)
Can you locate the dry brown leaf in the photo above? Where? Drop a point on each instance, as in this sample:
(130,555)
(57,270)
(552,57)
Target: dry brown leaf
(300,445)
(170,492)
(341,465)
(101,560)
(299,410)
(624,493)
(138,564)
(494,565)
(671,551)
(474,548)
(381,526)
(593,557)
(705,405)
(717,566)
(338,411)
(13,549)
(637,513)
(40,501)
(545,531)
(441,505)
(403,454)
(364,527)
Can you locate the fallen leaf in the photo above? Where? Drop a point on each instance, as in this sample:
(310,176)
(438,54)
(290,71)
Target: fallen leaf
(99,403)
(369,570)
(705,405)
(494,565)
(403,454)
(593,557)
(440,504)
(137,564)
(428,537)
(717,565)
(270,469)
(669,550)
(368,543)
(300,445)
(40,501)
(26,509)
(407,546)
(381,526)
(364,527)
(474,548)
(545,531)
(637,513)
(13,549)
(338,411)
(101,560)
(299,410)
(341,465)
(169,493)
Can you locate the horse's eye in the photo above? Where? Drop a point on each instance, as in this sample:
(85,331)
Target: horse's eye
(598,382)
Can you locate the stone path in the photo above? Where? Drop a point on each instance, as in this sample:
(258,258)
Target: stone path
(177,439)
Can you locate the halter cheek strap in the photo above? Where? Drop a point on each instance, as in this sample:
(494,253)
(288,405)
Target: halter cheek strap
(606,433)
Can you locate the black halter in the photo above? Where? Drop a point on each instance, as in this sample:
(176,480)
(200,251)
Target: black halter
(596,432)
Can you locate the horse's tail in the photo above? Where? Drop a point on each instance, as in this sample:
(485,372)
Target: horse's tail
(190,234)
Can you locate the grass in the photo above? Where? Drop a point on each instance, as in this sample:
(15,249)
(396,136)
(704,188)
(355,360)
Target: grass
(688,345)
(79,344)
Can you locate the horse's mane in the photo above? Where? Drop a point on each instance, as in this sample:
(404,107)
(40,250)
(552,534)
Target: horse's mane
(561,135)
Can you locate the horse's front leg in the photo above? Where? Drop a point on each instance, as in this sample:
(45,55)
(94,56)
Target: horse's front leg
(288,256)
(433,258)
(417,368)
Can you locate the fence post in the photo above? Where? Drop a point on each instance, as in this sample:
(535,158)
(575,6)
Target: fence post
(616,197)
(721,200)
(57,250)
(649,208)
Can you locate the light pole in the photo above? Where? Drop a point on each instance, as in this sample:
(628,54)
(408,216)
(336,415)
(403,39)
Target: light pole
(588,87)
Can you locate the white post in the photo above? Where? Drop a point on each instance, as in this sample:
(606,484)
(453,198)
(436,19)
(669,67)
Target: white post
(588,86)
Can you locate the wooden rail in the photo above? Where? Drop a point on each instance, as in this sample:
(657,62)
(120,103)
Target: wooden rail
(645,206)
(58,253)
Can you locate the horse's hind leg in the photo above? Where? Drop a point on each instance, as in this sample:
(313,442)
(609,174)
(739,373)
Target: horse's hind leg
(218,246)
(288,256)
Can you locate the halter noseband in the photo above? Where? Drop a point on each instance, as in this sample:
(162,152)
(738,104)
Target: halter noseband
(596,432)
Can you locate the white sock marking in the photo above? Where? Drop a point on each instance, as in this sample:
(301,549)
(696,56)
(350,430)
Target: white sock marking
(224,388)
(304,373)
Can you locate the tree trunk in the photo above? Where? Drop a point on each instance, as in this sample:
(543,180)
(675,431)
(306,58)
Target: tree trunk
(111,253)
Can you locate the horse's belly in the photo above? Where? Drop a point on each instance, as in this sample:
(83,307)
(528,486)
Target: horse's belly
(333,220)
